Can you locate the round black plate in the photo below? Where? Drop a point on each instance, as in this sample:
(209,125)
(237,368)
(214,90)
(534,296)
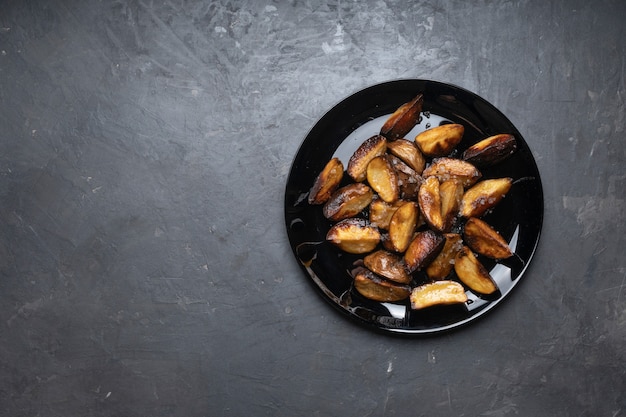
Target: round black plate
(339,132)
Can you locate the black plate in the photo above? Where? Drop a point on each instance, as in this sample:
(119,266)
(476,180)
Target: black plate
(339,132)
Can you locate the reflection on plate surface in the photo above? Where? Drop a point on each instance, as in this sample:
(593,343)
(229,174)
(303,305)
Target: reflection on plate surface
(339,132)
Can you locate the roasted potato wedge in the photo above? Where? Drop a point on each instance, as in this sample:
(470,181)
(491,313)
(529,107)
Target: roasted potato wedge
(354,236)
(409,153)
(348,201)
(382,177)
(472,273)
(326,182)
(491,150)
(360,159)
(451,168)
(387,265)
(371,286)
(485,240)
(429,201)
(451,193)
(437,293)
(403,119)
(441,267)
(424,247)
(409,180)
(402,226)
(483,196)
(440,140)
(381,212)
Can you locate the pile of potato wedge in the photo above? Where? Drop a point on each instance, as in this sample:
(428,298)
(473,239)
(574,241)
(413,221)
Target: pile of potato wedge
(410,207)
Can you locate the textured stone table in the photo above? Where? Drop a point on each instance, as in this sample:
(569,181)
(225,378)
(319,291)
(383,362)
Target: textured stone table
(144,263)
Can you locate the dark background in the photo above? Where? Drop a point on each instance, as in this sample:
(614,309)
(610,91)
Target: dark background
(144,263)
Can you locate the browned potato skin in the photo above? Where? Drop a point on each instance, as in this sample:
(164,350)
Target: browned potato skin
(441,267)
(387,265)
(326,182)
(381,212)
(437,293)
(451,193)
(348,201)
(440,140)
(429,200)
(368,150)
(472,273)
(402,226)
(409,180)
(409,153)
(354,236)
(383,178)
(403,119)
(424,247)
(483,196)
(452,168)
(491,150)
(375,288)
(483,239)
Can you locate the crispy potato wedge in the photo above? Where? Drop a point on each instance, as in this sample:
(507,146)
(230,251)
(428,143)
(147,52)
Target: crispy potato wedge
(451,193)
(491,150)
(472,273)
(441,267)
(387,265)
(381,212)
(402,226)
(403,119)
(440,140)
(483,196)
(451,168)
(354,236)
(424,247)
(368,150)
(485,240)
(382,177)
(409,153)
(348,201)
(371,286)
(429,200)
(437,293)
(326,182)
(409,180)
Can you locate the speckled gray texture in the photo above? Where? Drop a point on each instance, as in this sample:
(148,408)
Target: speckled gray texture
(144,264)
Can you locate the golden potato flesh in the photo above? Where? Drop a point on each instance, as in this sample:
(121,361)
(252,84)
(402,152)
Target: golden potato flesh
(326,182)
(354,236)
(403,119)
(485,240)
(491,150)
(381,212)
(442,266)
(451,193)
(424,247)
(472,273)
(387,265)
(360,159)
(375,288)
(429,201)
(348,201)
(383,179)
(451,168)
(402,226)
(437,293)
(483,196)
(440,140)
(409,153)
